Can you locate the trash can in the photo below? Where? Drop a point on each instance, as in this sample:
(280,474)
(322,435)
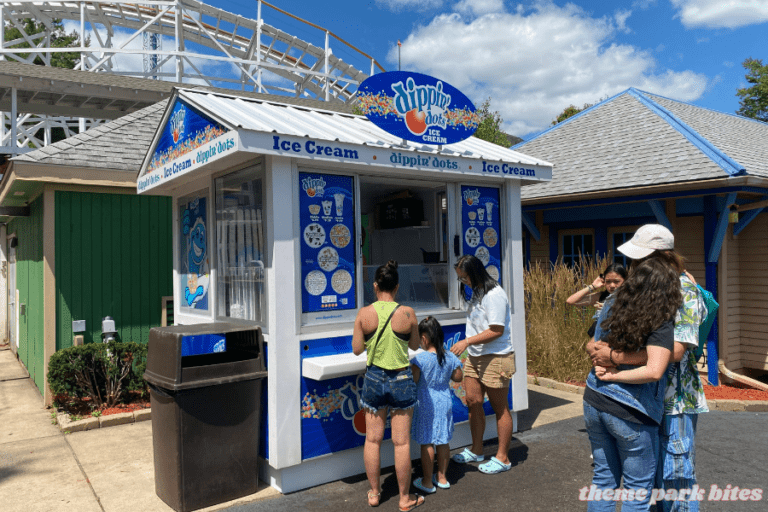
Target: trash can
(205,387)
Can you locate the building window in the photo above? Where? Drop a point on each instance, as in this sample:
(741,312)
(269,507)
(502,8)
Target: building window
(619,239)
(575,247)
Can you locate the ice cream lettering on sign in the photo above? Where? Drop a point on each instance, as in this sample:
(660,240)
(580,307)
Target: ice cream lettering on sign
(177,124)
(471,197)
(314,187)
(421,105)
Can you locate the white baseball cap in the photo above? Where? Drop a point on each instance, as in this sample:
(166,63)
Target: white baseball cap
(649,238)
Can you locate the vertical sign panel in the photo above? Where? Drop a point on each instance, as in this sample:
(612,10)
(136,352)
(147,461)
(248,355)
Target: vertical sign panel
(481,227)
(327,219)
(194,268)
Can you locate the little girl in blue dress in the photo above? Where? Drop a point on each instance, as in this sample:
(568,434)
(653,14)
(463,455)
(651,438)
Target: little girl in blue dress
(432,425)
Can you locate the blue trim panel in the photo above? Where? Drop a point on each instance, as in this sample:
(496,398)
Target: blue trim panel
(530,225)
(710,221)
(660,213)
(554,246)
(729,165)
(744,221)
(721,229)
(601,241)
(644,197)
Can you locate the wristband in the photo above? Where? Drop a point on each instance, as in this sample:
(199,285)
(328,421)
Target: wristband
(610,356)
(590,288)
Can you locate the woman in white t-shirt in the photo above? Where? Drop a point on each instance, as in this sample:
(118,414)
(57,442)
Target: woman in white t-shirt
(490,363)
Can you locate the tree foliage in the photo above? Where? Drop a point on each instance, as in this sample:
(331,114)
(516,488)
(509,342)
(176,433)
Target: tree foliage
(570,111)
(489,128)
(754,99)
(59,39)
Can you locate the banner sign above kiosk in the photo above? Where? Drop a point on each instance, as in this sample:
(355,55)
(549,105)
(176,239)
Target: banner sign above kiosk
(417,107)
(187,141)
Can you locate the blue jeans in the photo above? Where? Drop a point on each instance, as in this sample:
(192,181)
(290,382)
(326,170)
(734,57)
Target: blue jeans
(621,449)
(676,464)
(394,389)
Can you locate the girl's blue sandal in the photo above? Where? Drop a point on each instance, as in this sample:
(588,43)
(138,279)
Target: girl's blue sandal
(494,466)
(446,485)
(420,486)
(467,456)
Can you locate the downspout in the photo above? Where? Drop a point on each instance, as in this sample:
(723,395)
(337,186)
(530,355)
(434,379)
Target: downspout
(740,378)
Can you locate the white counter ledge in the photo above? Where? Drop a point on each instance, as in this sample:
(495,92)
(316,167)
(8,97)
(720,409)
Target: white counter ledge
(338,365)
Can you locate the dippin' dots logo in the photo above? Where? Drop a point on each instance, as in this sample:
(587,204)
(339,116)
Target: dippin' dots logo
(421,105)
(471,196)
(313,186)
(177,124)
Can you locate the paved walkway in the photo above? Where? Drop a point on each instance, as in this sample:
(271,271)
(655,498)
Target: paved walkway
(111,469)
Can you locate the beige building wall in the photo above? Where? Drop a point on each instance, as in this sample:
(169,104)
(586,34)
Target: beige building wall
(752,276)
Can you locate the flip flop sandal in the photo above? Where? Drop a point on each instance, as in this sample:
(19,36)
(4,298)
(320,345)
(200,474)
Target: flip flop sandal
(446,485)
(467,456)
(419,502)
(494,466)
(420,486)
(372,494)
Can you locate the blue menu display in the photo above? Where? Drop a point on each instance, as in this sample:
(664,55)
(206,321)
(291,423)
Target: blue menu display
(481,227)
(327,219)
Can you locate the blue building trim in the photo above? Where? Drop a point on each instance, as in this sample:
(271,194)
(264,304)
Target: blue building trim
(530,225)
(643,197)
(746,219)
(721,228)
(601,241)
(661,215)
(554,246)
(710,270)
(729,165)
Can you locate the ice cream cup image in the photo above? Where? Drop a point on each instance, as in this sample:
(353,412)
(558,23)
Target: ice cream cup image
(489,209)
(314,209)
(339,204)
(471,215)
(481,213)
(327,207)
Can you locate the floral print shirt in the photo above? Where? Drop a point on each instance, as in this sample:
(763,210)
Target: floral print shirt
(684,392)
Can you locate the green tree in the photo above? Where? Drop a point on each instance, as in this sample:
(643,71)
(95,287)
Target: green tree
(490,126)
(59,39)
(754,99)
(570,111)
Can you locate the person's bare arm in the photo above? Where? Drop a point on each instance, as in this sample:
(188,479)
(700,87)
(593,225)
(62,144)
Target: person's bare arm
(457,375)
(492,333)
(586,296)
(415,341)
(416,373)
(602,355)
(658,360)
(358,338)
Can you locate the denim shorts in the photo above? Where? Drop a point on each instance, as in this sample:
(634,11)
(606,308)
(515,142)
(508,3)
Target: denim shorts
(394,389)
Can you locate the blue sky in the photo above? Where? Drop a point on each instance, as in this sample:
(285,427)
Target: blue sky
(535,58)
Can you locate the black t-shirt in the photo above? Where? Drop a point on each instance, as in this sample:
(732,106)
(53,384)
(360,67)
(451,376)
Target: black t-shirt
(663,337)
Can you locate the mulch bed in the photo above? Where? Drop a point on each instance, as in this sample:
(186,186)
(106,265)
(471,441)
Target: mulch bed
(734,392)
(82,406)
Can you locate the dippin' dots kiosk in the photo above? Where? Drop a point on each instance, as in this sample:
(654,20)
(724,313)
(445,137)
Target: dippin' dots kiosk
(282,213)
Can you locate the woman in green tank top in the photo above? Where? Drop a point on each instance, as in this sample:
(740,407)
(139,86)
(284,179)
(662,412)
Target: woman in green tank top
(386,330)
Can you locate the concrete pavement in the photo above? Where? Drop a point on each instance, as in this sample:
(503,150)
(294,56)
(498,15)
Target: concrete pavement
(111,469)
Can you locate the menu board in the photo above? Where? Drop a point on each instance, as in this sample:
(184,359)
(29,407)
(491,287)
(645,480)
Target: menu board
(481,227)
(327,219)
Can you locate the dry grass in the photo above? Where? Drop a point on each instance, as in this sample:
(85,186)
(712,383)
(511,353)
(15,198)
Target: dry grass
(556,333)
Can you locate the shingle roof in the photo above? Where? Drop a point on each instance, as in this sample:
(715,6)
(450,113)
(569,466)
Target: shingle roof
(117,145)
(637,139)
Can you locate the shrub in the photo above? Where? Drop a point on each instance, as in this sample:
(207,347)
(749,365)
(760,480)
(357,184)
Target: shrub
(102,372)
(556,333)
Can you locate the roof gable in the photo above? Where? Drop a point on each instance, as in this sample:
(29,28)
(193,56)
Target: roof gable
(637,139)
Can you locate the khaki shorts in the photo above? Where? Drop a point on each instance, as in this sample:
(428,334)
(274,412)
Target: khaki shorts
(492,370)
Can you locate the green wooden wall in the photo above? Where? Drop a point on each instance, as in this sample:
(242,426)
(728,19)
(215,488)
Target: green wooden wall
(114,257)
(29,282)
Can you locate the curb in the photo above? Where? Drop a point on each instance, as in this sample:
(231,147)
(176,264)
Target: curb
(67,425)
(715,405)
(553,384)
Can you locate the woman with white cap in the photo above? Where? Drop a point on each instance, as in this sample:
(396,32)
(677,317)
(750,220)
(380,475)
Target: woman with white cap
(684,394)
(623,405)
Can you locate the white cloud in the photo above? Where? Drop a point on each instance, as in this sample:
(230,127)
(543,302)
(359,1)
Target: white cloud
(417,5)
(643,4)
(479,7)
(621,20)
(533,64)
(721,13)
